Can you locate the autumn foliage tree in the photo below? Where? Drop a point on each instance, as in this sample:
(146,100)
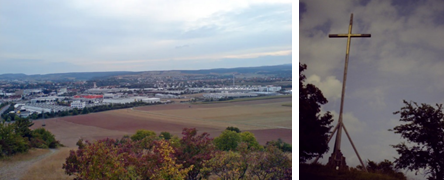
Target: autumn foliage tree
(194,150)
(314,128)
(194,156)
(112,159)
(424,130)
(270,163)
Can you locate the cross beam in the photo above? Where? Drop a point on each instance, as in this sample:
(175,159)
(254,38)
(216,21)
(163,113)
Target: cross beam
(337,158)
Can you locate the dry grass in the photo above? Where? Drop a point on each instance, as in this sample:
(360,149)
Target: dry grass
(22,156)
(288,104)
(49,167)
(251,117)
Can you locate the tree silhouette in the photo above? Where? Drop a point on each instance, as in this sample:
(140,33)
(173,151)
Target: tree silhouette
(425,133)
(314,129)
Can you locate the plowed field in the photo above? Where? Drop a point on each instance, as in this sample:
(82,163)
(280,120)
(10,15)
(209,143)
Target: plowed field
(267,119)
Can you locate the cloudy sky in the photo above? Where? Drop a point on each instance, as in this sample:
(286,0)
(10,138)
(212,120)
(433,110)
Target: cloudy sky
(402,60)
(136,35)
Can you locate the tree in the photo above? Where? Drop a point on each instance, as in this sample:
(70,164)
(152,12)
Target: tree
(235,129)
(141,134)
(285,147)
(165,135)
(424,131)
(85,110)
(22,127)
(11,141)
(250,140)
(228,140)
(194,151)
(75,112)
(43,139)
(314,129)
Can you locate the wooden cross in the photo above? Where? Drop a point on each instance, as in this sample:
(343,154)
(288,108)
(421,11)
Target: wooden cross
(337,159)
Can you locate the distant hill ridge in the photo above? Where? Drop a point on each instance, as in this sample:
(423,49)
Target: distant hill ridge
(90,75)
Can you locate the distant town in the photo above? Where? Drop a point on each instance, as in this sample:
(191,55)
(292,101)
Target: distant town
(33,98)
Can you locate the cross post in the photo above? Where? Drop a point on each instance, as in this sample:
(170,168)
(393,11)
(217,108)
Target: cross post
(337,160)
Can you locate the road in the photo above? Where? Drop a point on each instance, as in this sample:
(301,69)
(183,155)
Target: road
(4,109)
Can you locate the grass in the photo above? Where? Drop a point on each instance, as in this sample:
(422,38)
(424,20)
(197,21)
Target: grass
(22,156)
(287,105)
(49,167)
(244,99)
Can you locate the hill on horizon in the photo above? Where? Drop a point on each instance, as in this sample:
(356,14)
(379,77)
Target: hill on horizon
(277,69)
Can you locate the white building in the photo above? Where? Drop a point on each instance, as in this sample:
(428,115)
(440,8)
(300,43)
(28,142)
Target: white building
(78,104)
(50,99)
(119,101)
(37,109)
(111,96)
(270,88)
(146,99)
(62,91)
(30,91)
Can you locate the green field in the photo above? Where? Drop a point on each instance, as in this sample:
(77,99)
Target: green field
(244,99)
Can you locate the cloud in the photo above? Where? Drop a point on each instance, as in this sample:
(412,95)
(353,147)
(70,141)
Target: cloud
(205,58)
(351,122)
(330,86)
(182,46)
(256,55)
(374,97)
(160,10)
(100,31)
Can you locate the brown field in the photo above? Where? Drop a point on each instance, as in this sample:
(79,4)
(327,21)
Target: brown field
(267,119)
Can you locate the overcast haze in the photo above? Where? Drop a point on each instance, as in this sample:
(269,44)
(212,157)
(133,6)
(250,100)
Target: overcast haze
(136,35)
(402,60)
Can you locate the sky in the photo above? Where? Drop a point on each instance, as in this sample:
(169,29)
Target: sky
(40,37)
(403,60)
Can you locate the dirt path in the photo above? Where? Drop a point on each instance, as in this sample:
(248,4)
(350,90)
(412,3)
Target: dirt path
(16,170)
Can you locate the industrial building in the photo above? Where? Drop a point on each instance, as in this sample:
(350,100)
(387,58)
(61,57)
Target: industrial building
(146,99)
(166,96)
(111,96)
(270,88)
(89,96)
(228,95)
(50,99)
(132,99)
(31,91)
(119,101)
(37,109)
(62,91)
(77,104)
(102,91)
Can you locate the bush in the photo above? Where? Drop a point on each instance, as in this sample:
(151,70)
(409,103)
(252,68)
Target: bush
(141,134)
(43,139)
(11,142)
(285,147)
(235,129)
(228,140)
(165,135)
(250,140)
(111,159)
(244,164)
